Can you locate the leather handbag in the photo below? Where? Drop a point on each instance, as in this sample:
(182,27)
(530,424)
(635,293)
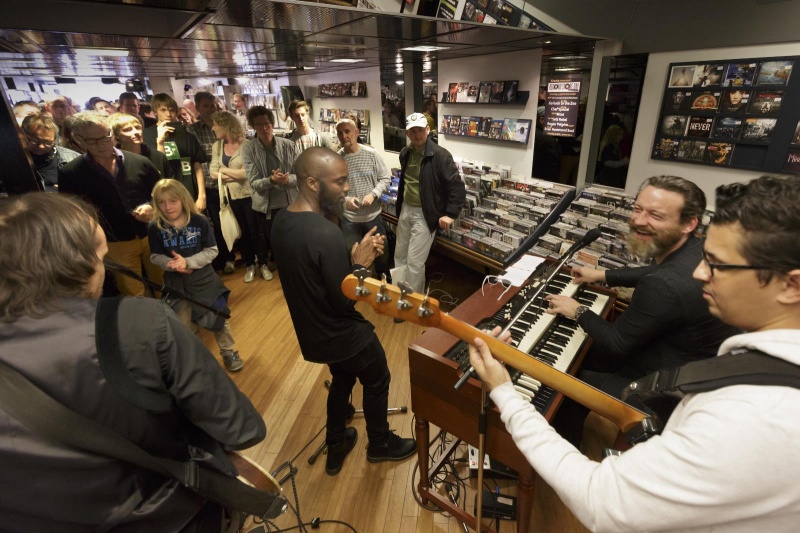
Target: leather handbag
(229,226)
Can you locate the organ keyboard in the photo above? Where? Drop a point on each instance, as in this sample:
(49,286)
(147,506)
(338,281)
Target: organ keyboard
(435,357)
(552,339)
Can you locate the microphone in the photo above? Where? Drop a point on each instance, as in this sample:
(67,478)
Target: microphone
(591,236)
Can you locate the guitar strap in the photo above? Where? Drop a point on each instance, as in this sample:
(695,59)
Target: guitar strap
(659,393)
(40,413)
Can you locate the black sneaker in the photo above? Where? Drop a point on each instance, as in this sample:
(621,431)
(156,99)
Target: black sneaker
(395,448)
(337,452)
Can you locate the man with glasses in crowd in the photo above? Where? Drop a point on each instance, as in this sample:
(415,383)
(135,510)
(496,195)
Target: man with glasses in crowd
(41,134)
(727,459)
(268,163)
(667,323)
(119,185)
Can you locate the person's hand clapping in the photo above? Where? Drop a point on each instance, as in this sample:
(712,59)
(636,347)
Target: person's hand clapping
(371,246)
(178,263)
(367,200)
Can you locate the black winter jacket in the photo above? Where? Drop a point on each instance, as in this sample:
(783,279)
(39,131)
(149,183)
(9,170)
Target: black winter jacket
(441,190)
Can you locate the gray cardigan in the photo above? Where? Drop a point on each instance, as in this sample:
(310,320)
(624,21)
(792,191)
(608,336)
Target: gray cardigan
(258,172)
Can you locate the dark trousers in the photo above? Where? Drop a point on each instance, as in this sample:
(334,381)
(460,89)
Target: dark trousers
(354,231)
(212,208)
(264,238)
(248,221)
(371,369)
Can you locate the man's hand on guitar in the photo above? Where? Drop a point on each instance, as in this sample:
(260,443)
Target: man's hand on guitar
(491,371)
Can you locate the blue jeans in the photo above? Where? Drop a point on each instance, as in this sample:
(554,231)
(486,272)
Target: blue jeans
(354,231)
(370,367)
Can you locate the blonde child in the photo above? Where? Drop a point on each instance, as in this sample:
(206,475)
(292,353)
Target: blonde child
(182,243)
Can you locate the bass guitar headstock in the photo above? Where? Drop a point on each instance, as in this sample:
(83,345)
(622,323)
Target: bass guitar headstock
(397,301)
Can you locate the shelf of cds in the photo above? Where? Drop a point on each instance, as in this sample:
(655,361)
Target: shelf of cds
(741,113)
(485,92)
(514,130)
(353,89)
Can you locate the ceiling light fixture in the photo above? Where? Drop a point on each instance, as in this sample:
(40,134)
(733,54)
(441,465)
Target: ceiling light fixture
(565,57)
(399,82)
(108,52)
(427,80)
(346,60)
(239,58)
(566,69)
(201,62)
(425,48)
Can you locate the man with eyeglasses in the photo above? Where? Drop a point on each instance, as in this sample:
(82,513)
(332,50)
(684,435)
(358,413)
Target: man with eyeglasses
(119,185)
(667,323)
(41,133)
(727,459)
(268,164)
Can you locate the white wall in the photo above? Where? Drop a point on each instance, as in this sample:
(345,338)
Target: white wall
(708,178)
(524,66)
(310,84)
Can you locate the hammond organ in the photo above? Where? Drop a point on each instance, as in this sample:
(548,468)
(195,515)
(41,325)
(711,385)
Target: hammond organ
(436,360)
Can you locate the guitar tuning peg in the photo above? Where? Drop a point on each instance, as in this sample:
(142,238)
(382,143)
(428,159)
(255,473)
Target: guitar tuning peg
(362,274)
(405,289)
(424,311)
(382,297)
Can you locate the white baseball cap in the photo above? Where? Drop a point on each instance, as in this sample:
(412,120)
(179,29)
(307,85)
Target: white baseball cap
(416,120)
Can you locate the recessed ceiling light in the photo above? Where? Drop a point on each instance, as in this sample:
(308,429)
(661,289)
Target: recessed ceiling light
(425,48)
(565,57)
(427,80)
(110,52)
(399,82)
(566,69)
(239,58)
(346,60)
(201,62)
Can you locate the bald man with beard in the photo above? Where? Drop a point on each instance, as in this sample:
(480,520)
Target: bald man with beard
(313,260)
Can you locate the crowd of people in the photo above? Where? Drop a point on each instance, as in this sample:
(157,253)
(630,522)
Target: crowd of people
(147,198)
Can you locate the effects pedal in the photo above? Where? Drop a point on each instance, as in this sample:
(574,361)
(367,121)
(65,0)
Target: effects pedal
(496,505)
(492,468)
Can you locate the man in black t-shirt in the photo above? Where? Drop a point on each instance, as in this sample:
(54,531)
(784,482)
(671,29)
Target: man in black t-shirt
(313,260)
(184,152)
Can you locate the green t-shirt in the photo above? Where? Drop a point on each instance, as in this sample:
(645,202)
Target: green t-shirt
(411,178)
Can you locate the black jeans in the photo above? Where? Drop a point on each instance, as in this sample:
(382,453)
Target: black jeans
(370,367)
(212,208)
(248,221)
(264,237)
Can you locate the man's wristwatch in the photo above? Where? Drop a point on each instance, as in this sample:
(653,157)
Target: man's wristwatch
(579,311)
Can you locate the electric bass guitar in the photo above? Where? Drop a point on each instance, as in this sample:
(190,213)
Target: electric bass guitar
(401,302)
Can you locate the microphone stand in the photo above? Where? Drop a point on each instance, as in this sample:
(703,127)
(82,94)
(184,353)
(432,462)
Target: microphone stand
(166,291)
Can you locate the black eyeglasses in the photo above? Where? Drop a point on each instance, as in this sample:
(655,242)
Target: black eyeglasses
(722,267)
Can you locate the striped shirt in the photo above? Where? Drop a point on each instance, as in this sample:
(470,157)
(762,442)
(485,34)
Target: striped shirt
(367,174)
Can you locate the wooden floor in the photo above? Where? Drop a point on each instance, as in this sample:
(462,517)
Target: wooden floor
(290,394)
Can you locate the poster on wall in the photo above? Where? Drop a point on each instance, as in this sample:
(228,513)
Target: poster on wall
(792,163)
(561,114)
(774,72)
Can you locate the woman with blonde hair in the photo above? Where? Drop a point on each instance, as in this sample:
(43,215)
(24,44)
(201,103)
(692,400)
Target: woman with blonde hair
(226,161)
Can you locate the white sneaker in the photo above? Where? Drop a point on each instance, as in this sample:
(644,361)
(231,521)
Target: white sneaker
(265,273)
(250,274)
(229,267)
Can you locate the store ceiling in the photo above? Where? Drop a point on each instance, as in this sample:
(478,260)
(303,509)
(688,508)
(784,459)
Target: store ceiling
(234,38)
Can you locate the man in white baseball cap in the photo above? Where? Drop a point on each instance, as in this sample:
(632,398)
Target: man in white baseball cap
(430,195)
